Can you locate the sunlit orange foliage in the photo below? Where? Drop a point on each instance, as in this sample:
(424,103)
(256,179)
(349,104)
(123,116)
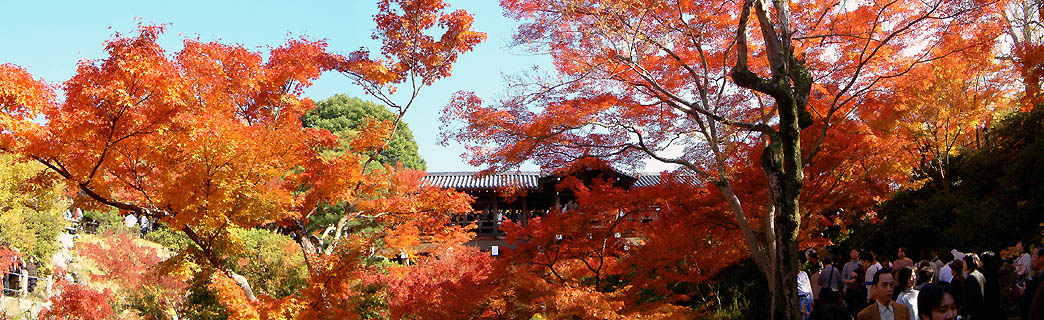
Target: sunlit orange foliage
(413,217)
(197,140)
(21,99)
(617,245)
(232,298)
(453,283)
(78,302)
(1030,64)
(8,259)
(135,269)
(943,108)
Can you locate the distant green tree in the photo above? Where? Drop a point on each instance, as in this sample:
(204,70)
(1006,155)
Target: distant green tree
(342,115)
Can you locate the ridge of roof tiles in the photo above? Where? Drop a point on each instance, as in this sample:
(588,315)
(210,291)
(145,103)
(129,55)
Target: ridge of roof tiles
(467,180)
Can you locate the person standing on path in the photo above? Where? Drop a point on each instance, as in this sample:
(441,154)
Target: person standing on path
(871,266)
(855,292)
(957,283)
(974,290)
(130,221)
(829,277)
(146,225)
(946,271)
(925,275)
(901,261)
(805,296)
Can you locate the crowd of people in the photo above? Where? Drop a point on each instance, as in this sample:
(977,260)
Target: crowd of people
(134,223)
(950,285)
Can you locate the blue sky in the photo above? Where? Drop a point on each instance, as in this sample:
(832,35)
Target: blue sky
(49,37)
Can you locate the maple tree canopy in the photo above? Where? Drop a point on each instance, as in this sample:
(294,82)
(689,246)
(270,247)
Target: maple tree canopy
(760,98)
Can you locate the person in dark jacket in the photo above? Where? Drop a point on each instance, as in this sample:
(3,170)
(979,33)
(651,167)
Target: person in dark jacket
(957,283)
(33,269)
(974,290)
(991,265)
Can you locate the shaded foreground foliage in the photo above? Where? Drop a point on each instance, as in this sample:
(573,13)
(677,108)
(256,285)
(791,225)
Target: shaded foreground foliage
(993,199)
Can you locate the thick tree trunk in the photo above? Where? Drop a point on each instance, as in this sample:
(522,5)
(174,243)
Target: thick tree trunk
(789,85)
(763,255)
(791,181)
(788,268)
(785,189)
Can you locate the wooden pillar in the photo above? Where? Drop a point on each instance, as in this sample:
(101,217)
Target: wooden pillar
(525,213)
(495,217)
(24,282)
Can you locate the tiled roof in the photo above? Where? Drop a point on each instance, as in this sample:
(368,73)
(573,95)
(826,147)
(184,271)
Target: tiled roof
(467,180)
(527,180)
(652,179)
(646,180)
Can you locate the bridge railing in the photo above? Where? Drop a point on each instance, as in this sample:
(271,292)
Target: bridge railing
(22,289)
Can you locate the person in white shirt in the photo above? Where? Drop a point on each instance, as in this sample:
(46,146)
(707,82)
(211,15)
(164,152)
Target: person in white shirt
(871,266)
(130,221)
(805,297)
(146,225)
(957,255)
(906,278)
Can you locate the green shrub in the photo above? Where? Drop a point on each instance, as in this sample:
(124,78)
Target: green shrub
(106,220)
(272,262)
(174,240)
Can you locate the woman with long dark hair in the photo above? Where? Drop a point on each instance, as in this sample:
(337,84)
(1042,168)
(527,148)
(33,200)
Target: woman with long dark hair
(906,279)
